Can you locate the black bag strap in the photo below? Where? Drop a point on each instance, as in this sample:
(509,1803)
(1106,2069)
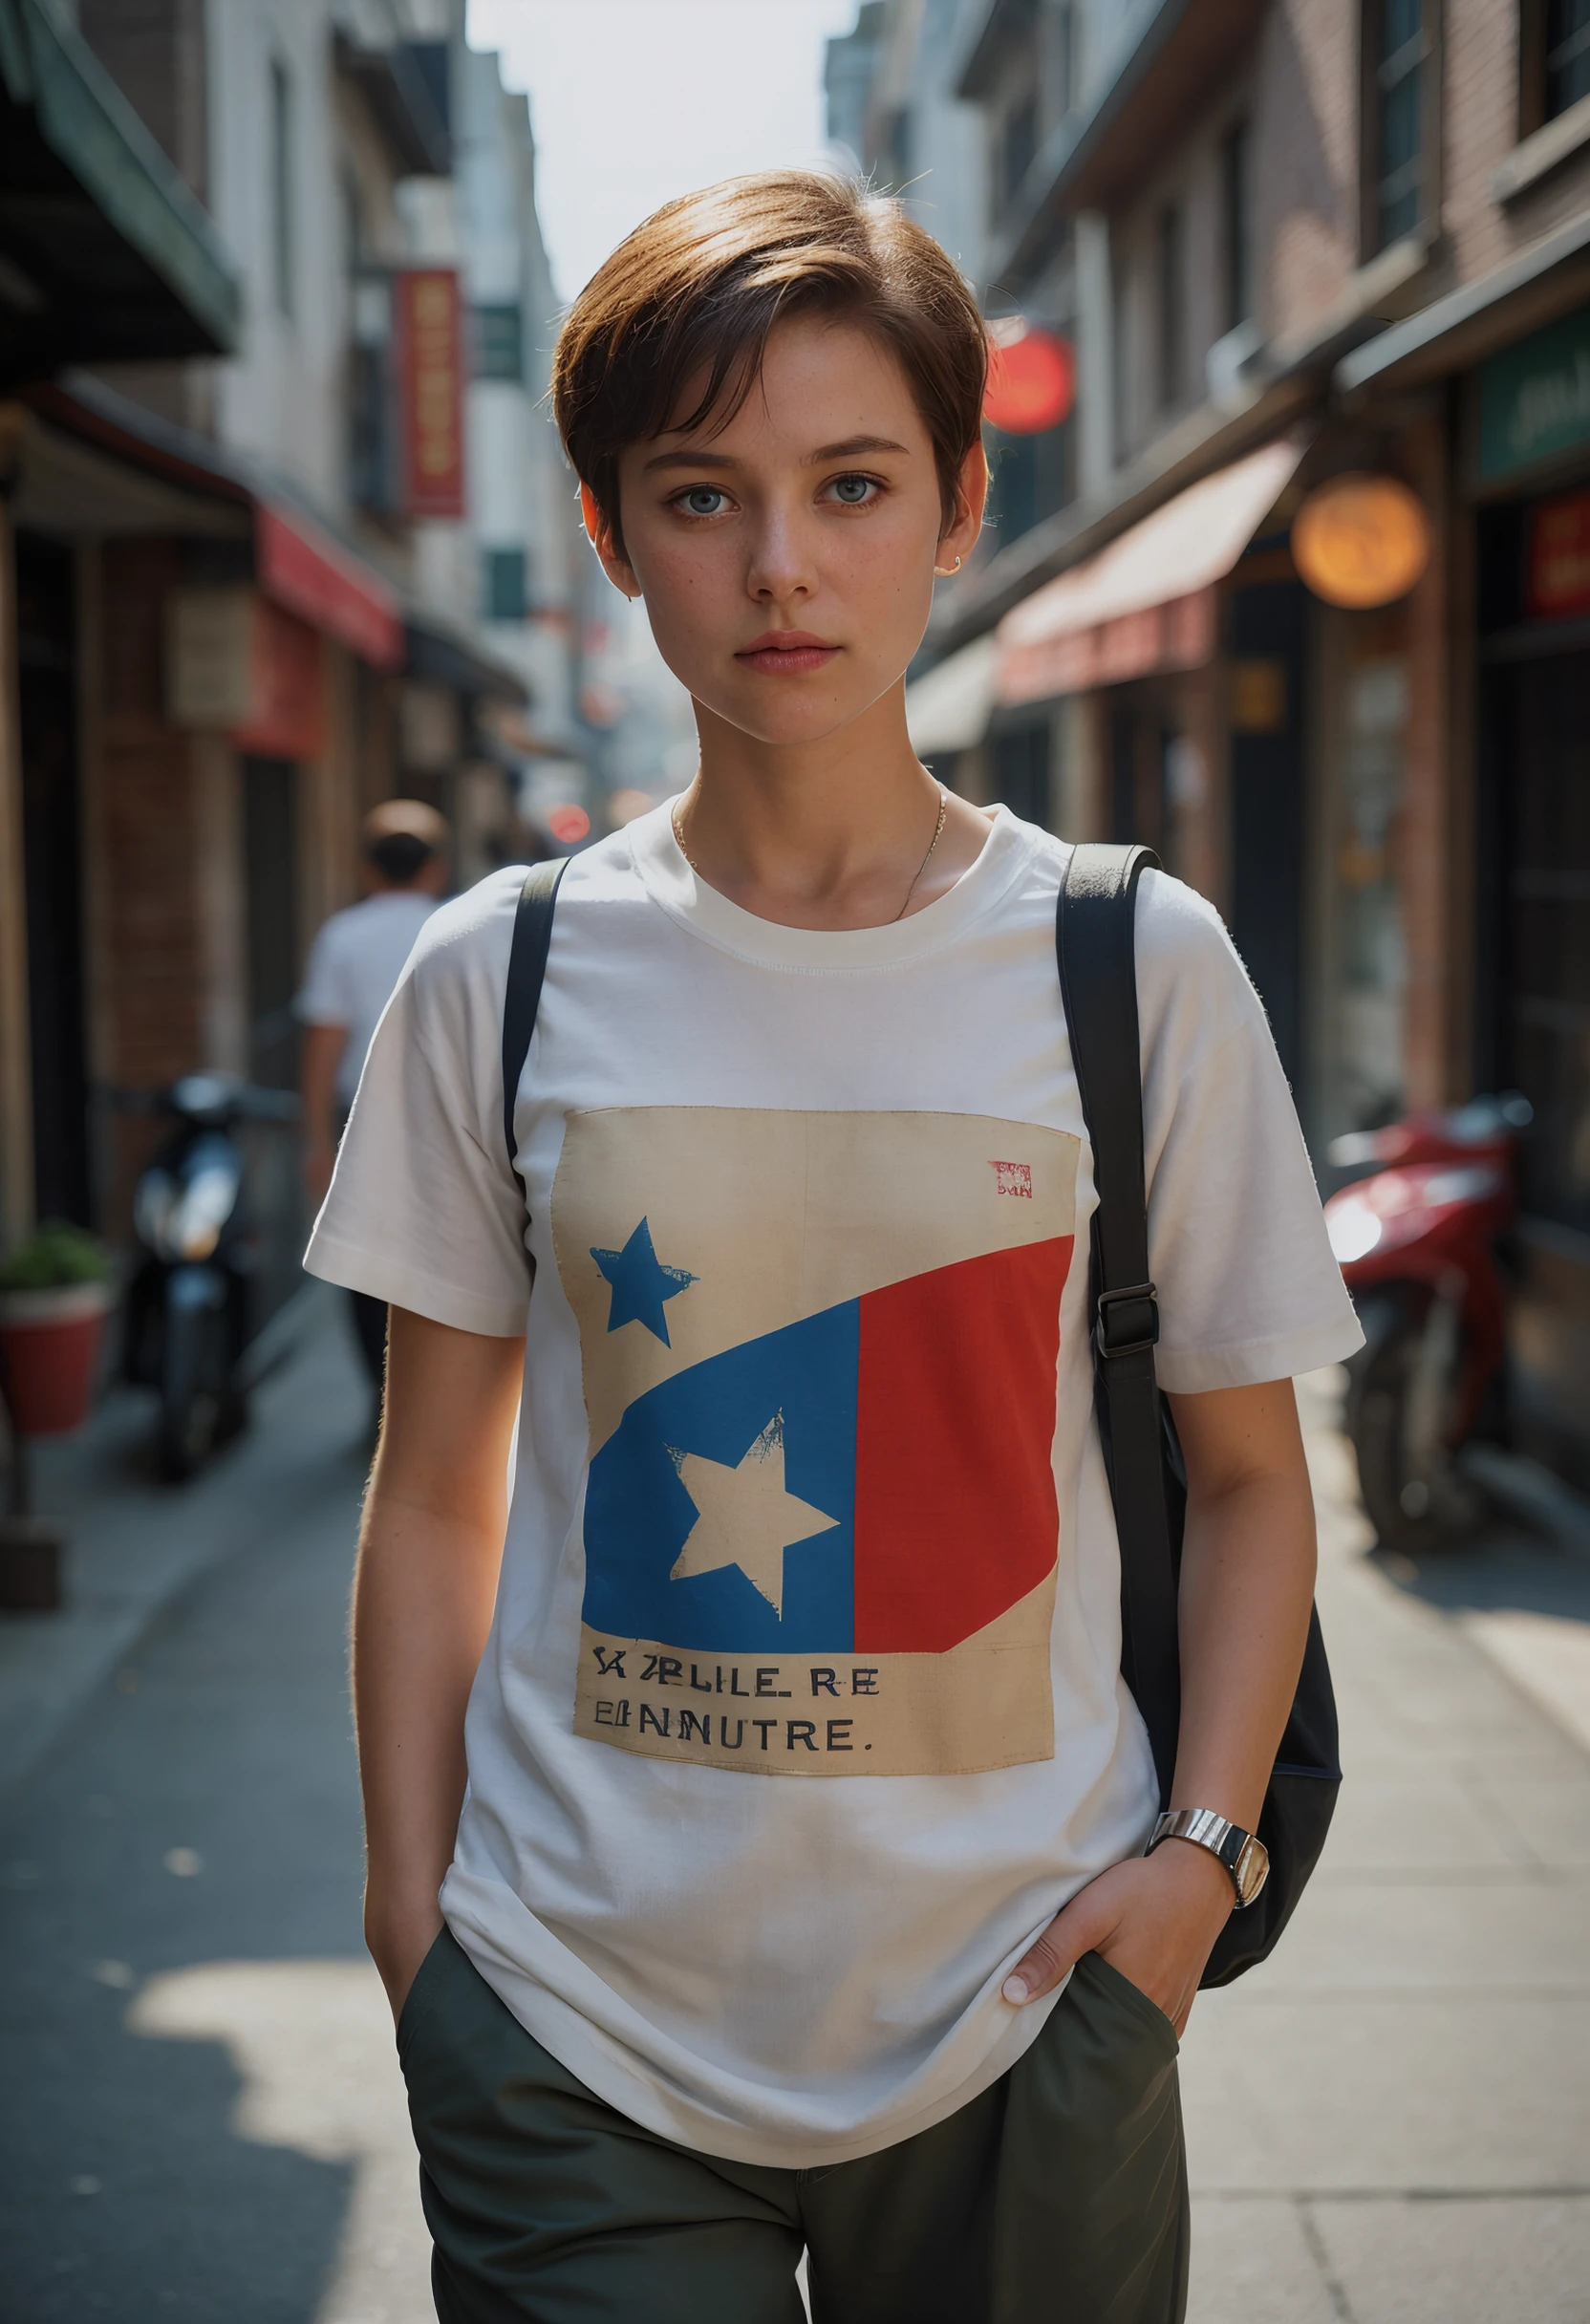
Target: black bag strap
(533,938)
(1094,941)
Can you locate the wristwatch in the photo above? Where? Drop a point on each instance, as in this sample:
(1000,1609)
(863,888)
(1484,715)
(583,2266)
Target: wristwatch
(1246,1858)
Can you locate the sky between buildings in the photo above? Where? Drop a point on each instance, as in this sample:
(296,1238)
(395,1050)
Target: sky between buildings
(633,101)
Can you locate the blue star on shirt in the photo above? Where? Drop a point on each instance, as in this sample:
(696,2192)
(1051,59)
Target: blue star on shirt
(640,1284)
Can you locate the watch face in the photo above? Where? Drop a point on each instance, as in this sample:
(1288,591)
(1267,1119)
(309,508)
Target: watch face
(1253,1869)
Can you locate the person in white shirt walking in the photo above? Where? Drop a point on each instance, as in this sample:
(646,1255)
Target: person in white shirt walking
(353,964)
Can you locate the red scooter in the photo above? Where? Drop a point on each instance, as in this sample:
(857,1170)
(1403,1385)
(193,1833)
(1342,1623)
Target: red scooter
(1421,1244)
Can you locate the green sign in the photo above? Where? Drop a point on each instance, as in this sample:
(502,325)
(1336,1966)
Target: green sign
(1535,397)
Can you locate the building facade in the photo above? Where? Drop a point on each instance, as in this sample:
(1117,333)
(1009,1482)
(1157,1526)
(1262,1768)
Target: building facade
(1294,242)
(263,567)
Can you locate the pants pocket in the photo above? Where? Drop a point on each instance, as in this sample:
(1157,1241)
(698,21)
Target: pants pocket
(416,2000)
(1091,2212)
(1114,1982)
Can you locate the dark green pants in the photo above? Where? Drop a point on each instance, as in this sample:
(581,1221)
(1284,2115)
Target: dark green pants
(1057,2197)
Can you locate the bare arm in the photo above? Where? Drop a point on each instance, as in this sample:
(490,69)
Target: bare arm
(429,1555)
(319,1059)
(1247,1585)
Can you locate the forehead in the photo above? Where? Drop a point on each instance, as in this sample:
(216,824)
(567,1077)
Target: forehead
(821,379)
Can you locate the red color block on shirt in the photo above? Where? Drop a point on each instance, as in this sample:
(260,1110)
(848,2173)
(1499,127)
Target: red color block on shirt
(955,1517)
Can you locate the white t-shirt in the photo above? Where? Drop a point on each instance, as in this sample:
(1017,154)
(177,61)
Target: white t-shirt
(354,963)
(801,1713)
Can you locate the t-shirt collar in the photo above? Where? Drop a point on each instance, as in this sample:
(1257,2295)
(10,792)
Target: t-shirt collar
(667,876)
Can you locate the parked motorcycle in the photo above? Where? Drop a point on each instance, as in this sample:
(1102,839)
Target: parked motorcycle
(1422,1246)
(187,1318)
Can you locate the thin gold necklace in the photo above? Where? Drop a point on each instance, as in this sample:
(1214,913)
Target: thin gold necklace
(937,835)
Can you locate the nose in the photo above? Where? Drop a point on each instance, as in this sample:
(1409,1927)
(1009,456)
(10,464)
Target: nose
(781,569)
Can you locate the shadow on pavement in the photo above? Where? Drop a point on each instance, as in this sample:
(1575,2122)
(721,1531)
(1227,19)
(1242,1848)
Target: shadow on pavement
(180,1912)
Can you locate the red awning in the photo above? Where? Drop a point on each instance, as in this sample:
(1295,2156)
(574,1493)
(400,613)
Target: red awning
(1147,602)
(305,570)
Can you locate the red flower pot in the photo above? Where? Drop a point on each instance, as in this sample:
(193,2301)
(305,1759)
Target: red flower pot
(49,1352)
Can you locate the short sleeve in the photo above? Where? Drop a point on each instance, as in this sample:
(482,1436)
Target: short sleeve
(324,998)
(425,1211)
(1248,1290)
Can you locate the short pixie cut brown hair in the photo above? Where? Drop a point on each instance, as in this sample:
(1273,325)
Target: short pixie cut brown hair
(693,293)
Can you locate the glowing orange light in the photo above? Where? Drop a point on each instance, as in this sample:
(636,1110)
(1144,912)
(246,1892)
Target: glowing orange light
(1032,378)
(1360,541)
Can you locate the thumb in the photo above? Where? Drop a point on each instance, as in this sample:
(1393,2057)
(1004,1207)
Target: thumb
(1056,1952)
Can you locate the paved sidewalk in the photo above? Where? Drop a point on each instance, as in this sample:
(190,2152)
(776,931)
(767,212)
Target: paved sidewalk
(135,1543)
(1389,2123)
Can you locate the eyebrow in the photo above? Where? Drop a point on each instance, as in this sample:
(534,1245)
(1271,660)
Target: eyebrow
(850,449)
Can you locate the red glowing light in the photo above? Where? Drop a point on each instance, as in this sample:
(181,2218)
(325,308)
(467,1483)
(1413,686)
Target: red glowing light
(1032,378)
(567,824)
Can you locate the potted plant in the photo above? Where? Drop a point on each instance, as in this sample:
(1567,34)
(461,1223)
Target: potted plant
(54,1295)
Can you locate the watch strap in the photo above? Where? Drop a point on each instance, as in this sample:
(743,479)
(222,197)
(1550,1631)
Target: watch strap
(1237,1850)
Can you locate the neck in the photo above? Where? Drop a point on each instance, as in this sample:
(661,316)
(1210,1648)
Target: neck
(825,834)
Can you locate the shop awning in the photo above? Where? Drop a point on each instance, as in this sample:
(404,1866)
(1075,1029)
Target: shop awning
(1147,602)
(1531,288)
(298,562)
(437,655)
(949,709)
(302,569)
(105,253)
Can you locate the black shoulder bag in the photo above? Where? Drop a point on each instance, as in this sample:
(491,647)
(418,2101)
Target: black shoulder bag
(533,941)
(1094,940)
(1098,977)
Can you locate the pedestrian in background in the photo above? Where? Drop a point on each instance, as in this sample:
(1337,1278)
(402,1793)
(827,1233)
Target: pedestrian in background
(354,963)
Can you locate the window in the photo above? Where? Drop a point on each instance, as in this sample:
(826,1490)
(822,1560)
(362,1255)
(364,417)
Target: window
(1396,123)
(1017,148)
(1236,234)
(498,349)
(283,255)
(1567,55)
(505,594)
(1066,59)
(1172,264)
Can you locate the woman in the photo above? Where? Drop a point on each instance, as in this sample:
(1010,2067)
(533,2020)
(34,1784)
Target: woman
(799,1896)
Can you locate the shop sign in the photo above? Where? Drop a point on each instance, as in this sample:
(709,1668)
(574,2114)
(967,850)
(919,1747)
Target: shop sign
(430,382)
(240,666)
(1559,556)
(1535,397)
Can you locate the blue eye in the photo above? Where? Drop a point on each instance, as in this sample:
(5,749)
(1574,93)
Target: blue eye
(704,499)
(852,490)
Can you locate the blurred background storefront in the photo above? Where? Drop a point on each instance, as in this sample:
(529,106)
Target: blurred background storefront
(283,533)
(1294,583)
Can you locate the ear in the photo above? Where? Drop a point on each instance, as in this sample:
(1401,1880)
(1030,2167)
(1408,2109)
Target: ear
(599,533)
(960,536)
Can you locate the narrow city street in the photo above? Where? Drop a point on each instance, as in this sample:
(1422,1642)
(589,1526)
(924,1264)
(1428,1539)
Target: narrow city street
(1387,2125)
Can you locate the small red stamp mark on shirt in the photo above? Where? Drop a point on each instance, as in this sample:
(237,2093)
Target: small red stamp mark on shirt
(1012,1178)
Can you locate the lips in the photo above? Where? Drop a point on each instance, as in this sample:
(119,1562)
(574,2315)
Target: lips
(787,653)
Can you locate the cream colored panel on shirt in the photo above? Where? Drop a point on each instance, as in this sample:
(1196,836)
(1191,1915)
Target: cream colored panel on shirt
(777,1216)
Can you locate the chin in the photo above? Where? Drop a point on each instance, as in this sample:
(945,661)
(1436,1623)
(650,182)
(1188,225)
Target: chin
(790,721)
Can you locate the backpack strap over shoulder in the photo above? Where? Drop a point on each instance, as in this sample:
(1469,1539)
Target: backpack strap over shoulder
(1094,940)
(533,938)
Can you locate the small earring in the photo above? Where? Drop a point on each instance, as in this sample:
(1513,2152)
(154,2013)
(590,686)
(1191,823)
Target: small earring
(944,571)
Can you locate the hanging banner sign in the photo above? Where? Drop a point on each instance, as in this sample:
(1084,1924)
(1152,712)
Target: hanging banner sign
(428,321)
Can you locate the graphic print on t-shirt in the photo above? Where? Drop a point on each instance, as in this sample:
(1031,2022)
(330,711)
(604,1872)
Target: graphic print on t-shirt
(819,1355)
